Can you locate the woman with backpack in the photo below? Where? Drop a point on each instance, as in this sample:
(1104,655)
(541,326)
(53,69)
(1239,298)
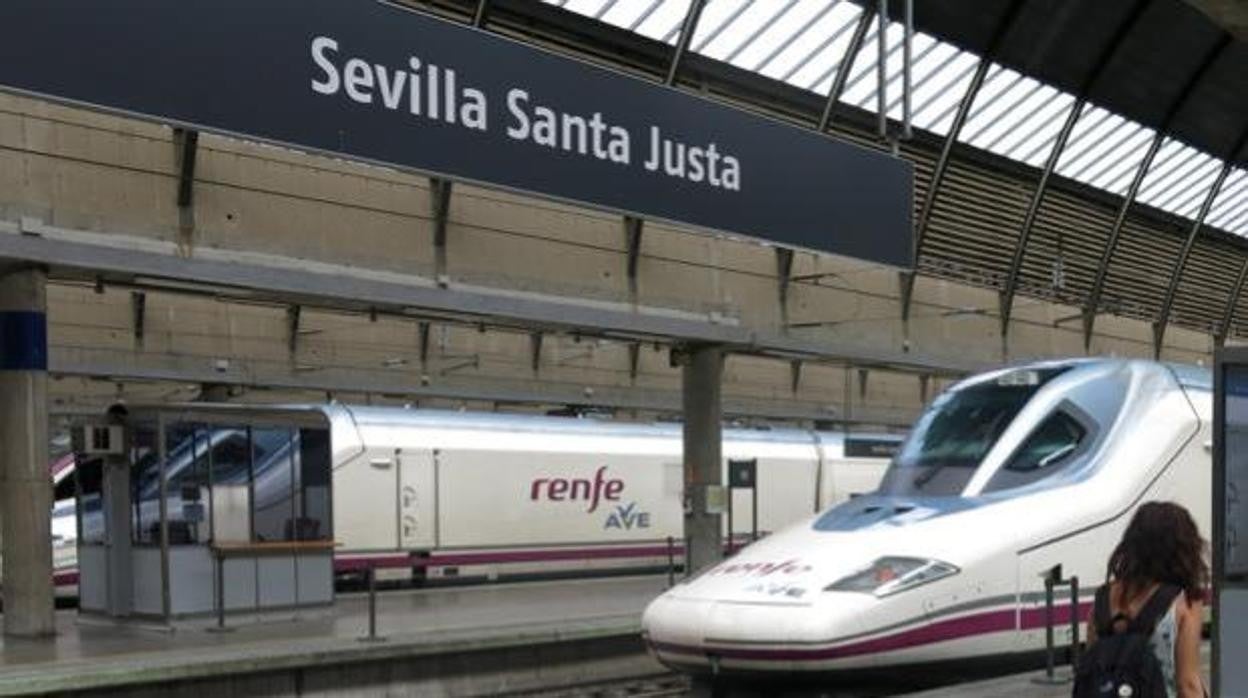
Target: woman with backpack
(1145,627)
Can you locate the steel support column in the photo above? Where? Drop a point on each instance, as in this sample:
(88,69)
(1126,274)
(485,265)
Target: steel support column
(842,70)
(1010,287)
(881,71)
(138,314)
(682,42)
(701,373)
(784,278)
(942,162)
(440,206)
(907,41)
(478,16)
(1163,317)
(1228,314)
(633,228)
(1093,303)
(186,147)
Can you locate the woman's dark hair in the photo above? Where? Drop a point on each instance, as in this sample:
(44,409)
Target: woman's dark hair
(1161,545)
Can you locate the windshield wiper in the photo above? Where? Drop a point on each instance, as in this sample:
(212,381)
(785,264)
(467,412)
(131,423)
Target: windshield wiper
(926,477)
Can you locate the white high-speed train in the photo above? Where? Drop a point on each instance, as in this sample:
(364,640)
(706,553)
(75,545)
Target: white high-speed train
(1006,477)
(433,494)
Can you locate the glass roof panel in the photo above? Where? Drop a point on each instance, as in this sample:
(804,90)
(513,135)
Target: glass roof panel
(817,51)
(727,40)
(803,43)
(1179,179)
(1230,209)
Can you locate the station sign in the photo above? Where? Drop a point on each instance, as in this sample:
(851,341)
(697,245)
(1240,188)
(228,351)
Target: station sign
(376,82)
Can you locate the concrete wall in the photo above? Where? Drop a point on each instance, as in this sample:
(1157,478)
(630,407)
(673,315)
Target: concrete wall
(79,170)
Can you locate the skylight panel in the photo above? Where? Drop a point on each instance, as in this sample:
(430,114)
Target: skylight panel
(922,47)
(1117,170)
(1030,139)
(664,22)
(940,81)
(1186,199)
(731,39)
(791,37)
(788,22)
(804,42)
(1179,183)
(862,77)
(590,8)
(818,50)
(1095,135)
(715,19)
(1230,209)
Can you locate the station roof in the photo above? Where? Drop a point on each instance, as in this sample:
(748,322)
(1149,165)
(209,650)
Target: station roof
(1143,66)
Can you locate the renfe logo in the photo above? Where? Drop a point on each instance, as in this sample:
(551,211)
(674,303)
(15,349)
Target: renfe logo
(557,489)
(763,569)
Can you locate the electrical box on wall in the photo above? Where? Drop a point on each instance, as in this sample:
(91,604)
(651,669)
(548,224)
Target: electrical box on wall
(99,440)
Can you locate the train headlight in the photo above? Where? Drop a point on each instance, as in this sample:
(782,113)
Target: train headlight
(889,575)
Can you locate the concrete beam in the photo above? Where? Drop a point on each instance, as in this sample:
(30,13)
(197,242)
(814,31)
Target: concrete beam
(126,366)
(261,277)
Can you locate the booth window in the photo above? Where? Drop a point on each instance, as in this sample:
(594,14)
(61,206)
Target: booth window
(232,483)
(274,485)
(313,471)
(82,494)
(145,484)
(291,484)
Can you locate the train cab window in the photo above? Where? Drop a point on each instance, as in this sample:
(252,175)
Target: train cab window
(953,436)
(1053,445)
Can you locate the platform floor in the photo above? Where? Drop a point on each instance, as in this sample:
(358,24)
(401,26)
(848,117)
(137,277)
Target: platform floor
(1021,685)
(88,654)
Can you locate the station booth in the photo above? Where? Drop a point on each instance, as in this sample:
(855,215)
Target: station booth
(189,511)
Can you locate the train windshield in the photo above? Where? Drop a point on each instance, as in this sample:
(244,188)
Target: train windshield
(954,435)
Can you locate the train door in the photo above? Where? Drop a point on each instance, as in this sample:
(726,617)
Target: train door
(417,504)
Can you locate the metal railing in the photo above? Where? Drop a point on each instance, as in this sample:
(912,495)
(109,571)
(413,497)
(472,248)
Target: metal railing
(1051,582)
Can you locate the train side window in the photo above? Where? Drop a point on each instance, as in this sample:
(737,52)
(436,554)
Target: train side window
(1050,447)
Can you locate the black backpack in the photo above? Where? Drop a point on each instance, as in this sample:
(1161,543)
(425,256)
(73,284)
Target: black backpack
(1121,664)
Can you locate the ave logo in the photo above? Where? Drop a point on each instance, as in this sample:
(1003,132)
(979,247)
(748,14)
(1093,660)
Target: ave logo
(627,517)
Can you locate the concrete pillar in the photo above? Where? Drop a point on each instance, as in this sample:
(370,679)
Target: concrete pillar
(702,369)
(25,483)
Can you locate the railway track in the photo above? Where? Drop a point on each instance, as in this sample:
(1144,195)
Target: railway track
(659,685)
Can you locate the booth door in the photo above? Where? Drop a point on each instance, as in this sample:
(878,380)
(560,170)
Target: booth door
(417,500)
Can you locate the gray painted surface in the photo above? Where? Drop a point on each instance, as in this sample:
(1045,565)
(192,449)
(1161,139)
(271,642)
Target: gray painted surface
(1232,641)
(276,575)
(145,568)
(93,586)
(316,578)
(192,579)
(240,584)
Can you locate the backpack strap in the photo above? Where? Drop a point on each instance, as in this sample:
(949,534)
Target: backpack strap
(1102,619)
(1146,620)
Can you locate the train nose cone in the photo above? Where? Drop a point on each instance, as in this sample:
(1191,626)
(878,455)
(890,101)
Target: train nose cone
(698,634)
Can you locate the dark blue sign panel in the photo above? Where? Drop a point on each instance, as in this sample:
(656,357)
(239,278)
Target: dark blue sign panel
(377,82)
